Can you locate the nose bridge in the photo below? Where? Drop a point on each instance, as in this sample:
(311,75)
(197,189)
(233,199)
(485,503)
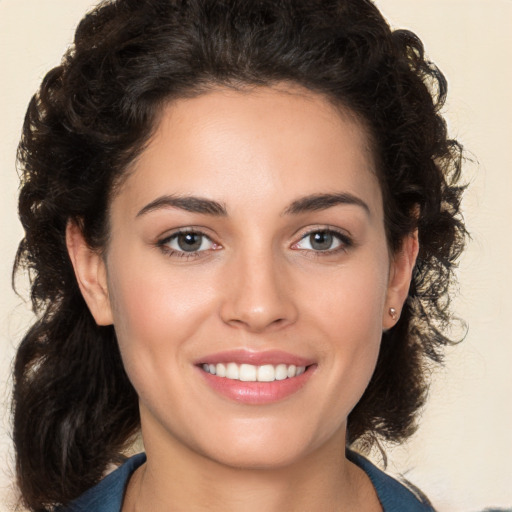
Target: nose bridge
(258,292)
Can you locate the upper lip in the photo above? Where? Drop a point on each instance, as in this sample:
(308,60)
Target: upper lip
(256,358)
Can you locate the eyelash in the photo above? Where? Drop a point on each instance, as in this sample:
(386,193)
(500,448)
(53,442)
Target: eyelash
(344,240)
(173,253)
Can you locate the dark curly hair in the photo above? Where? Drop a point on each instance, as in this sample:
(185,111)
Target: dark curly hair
(74,408)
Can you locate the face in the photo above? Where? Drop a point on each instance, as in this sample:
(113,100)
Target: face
(248,276)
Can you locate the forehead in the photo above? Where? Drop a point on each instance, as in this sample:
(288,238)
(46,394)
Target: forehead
(258,144)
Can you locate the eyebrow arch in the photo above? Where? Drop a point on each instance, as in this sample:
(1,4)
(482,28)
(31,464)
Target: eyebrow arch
(317,202)
(189,203)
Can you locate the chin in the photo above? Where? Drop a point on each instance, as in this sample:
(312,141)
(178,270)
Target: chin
(270,447)
(258,459)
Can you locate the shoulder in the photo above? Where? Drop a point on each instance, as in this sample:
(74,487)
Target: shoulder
(393,495)
(107,495)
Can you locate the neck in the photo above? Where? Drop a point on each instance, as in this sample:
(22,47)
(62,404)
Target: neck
(179,479)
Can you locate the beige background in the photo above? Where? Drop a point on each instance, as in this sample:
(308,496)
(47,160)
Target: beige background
(462,454)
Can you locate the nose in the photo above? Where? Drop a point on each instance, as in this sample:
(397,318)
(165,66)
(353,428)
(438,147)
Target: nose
(258,294)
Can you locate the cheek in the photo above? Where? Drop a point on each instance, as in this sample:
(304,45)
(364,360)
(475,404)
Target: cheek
(351,299)
(155,313)
(348,311)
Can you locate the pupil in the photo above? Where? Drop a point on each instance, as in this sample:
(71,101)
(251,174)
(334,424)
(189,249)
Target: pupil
(321,241)
(189,242)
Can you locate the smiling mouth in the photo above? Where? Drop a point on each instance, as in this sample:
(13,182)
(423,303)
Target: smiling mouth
(253,373)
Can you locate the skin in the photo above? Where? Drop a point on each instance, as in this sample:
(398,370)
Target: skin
(256,283)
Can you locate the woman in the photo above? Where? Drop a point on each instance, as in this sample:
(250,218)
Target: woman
(241,220)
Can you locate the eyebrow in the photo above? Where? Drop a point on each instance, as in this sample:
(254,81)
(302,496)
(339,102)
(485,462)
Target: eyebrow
(318,202)
(194,204)
(189,203)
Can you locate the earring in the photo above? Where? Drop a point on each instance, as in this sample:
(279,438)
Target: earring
(393,314)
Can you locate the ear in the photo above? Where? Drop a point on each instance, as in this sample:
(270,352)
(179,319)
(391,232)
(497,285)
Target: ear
(400,275)
(91,274)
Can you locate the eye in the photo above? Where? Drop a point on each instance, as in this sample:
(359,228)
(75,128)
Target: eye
(324,240)
(187,242)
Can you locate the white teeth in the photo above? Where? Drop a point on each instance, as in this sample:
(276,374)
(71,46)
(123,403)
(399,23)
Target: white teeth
(281,372)
(251,373)
(221,370)
(266,373)
(232,371)
(247,372)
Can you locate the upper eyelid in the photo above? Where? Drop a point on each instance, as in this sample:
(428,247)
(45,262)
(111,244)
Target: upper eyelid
(164,244)
(346,244)
(180,231)
(330,229)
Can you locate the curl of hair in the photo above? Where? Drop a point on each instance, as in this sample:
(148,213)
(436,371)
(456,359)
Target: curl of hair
(74,407)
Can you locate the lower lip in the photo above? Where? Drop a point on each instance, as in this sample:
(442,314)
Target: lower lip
(257,393)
